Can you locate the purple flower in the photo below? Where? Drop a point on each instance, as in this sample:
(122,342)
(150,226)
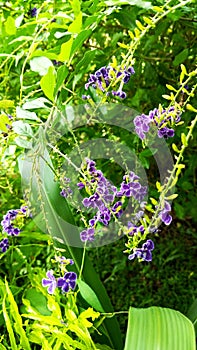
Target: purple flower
(144,253)
(166,218)
(117,209)
(67,282)
(10,216)
(4,245)
(33,12)
(49,282)
(87,235)
(102,78)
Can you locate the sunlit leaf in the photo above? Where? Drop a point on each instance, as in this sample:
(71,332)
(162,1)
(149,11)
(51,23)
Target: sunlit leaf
(157,328)
(47,83)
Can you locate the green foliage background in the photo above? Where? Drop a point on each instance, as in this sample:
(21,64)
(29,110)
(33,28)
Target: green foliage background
(171,279)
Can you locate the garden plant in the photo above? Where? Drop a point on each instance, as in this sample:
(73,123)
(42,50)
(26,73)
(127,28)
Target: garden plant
(98,203)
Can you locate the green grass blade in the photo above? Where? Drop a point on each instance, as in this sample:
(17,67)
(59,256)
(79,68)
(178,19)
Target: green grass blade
(157,328)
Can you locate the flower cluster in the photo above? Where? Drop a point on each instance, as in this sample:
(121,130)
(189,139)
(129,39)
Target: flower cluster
(144,253)
(33,12)
(9,227)
(104,77)
(66,283)
(66,190)
(105,198)
(160,118)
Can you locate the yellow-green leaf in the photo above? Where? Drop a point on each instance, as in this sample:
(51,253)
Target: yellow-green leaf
(147,20)
(65,51)
(139,24)
(6,104)
(153,201)
(3,121)
(170,87)
(76,25)
(184,139)
(173,196)
(131,35)
(167,97)
(159,328)
(10,27)
(157,9)
(175,148)
(47,83)
(191,108)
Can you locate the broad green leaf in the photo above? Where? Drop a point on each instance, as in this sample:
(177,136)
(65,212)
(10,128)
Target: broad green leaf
(75,26)
(76,6)
(24,114)
(79,40)
(23,142)
(10,26)
(6,104)
(22,128)
(86,60)
(38,301)
(61,226)
(62,73)
(157,328)
(65,51)
(89,295)
(181,57)
(2,347)
(37,103)
(40,65)
(47,83)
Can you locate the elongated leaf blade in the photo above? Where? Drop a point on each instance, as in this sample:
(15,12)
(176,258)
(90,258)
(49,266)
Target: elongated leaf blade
(59,222)
(157,328)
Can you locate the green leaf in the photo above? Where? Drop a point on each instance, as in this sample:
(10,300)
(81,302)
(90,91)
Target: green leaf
(139,3)
(62,73)
(76,6)
(157,328)
(3,121)
(38,177)
(79,40)
(17,318)
(65,51)
(181,57)
(40,65)
(23,114)
(38,301)
(9,326)
(10,27)
(75,26)
(37,103)
(47,83)
(192,314)
(86,60)
(22,128)
(6,104)
(89,295)
(23,142)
